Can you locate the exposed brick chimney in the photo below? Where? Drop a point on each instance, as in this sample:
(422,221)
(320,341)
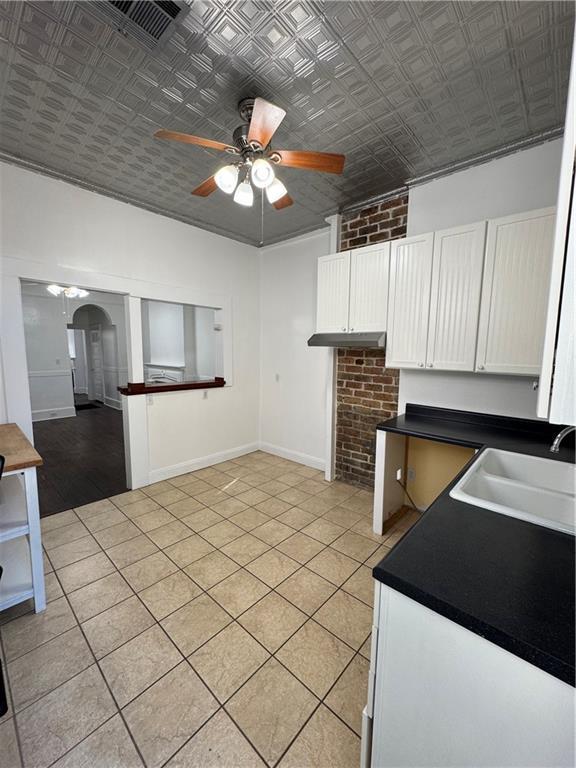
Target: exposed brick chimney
(366,391)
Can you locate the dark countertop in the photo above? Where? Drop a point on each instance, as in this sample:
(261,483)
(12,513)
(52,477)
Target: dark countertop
(480,430)
(507,580)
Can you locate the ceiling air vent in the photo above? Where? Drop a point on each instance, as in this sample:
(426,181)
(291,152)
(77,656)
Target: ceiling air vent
(152,22)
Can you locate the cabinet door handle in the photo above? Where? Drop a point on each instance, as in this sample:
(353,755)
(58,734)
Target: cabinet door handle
(430,365)
(344,330)
(420,365)
(351,329)
(480,367)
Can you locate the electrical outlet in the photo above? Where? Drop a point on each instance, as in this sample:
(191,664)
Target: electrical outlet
(411,474)
(205,395)
(399,474)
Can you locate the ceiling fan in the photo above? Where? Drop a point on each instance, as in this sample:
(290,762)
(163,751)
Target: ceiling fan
(254,159)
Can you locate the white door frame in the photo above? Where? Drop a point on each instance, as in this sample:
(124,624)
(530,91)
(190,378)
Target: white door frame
(13,352)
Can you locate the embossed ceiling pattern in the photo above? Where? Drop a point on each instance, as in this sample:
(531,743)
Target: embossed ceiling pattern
(400,88)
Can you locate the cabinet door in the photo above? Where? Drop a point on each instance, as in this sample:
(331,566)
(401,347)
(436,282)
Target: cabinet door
(515,293)
(369,268)
(409,301)
(455,297)
(333,293)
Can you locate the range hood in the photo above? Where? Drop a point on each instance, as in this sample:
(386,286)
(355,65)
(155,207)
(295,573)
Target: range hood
(371,340)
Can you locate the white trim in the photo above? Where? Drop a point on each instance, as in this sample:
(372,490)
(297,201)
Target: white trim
(164,473)
(330,463)
(561,236)
(53,372)
(388,494)
(335,223)
(301,458)
(46,414)
(296,239)
(112,402)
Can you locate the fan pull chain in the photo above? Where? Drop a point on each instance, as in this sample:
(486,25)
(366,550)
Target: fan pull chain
(262,219)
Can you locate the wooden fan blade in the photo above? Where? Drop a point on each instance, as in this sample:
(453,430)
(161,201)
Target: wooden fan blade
(311,161)
(266,118)
(284,202)
(206,188)
(189,139)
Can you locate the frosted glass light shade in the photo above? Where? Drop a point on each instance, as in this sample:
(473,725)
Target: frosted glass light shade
(275,191)
(226,178)
(244,194)
(262,173)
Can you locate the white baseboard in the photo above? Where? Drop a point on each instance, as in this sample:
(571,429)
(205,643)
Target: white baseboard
(300,458)
(113,403)
(53,413)
(164,473)
(81,391)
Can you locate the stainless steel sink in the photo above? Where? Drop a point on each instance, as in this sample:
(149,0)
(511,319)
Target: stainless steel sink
(538,490)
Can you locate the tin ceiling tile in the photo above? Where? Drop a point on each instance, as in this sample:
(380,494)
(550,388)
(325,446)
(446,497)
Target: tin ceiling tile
(400,88)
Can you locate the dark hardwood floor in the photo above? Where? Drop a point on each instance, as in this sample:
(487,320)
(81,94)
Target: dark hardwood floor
(83,459)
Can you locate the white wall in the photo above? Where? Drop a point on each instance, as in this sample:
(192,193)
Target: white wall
(520,182)
(523,181)
(53,231)
(165,334)
(49,368)
(293,375)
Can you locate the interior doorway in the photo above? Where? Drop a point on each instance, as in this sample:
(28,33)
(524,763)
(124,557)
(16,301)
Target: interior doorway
(95,352)
(77,359)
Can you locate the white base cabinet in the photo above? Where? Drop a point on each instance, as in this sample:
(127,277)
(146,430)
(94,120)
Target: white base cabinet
(440,695)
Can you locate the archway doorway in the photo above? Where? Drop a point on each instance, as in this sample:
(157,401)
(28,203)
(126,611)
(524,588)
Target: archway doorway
(94,341)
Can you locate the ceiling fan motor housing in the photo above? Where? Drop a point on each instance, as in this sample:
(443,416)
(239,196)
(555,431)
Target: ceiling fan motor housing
(240,138)
(245,107)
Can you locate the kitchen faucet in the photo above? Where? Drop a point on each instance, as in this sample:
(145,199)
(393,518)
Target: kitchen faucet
(555,447)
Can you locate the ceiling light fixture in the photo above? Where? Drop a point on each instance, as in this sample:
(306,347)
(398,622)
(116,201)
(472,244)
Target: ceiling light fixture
(275,191)
(262,173)
(244,194)
(227,178)
(71,291)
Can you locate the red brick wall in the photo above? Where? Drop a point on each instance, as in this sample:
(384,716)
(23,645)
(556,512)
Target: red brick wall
(366,391)
(374,224)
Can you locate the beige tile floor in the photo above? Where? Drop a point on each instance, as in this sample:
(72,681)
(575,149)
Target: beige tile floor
(221,618)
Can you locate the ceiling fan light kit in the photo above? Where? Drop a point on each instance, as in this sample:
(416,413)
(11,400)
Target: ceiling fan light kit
(71,291)
(275,191)
(262,173)
(244,194)
(251,144)
(227,178)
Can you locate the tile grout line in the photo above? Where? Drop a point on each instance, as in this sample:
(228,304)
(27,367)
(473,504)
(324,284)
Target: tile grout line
(206,591)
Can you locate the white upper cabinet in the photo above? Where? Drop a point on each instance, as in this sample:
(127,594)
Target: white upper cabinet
(455,297)
(369,268)
(333,293)
(409,301)
(353,290)
(515,292)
